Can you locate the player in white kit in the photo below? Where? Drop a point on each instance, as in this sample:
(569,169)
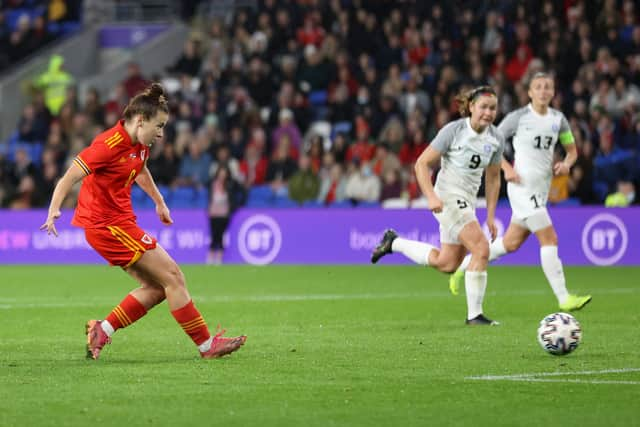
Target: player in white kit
(535,128)
(466,148)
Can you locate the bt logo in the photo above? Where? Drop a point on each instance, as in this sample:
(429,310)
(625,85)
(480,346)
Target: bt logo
(604,239)
(259,240)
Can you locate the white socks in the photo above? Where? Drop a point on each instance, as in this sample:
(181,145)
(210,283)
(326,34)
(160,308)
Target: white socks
(475,285)
(552,267)
(417,252)
(496,250)
(107,328)
(205,346)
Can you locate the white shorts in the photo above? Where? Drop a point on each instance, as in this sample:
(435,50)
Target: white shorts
(529,207)
(456,213)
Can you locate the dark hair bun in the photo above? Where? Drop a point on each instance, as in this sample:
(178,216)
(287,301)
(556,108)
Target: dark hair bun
(155,91)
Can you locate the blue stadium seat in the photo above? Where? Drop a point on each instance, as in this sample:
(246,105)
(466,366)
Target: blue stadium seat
(341,204)
(318,97)
(284,202)
(312,204)
(183,198)
(201,200)
(341,127)
(261,192)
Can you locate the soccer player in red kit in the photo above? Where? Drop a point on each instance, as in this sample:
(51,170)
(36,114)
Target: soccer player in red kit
(109,166)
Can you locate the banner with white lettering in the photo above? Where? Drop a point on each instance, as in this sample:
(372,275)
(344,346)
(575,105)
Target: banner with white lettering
(587,236)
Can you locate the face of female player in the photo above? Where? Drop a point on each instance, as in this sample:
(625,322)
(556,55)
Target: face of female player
(541,91)
(149,131)
(483,111)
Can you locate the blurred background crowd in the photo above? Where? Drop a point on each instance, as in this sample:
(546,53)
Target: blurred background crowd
(329,103)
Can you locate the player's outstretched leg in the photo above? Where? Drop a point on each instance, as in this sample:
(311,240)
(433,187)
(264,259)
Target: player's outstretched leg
(384,247)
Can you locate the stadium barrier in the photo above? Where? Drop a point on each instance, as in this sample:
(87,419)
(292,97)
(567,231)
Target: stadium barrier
(588,236)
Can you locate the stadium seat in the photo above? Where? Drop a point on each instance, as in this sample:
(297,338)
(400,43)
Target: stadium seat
(312,204)
(341,204)
(183,198)
(261,192)
(284,202)
(201,199)
(341,127)
(318,97)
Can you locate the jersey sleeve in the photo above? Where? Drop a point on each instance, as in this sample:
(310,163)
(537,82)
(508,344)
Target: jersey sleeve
(93,158)
(509,124)
(444,137)
(564,135)
(496,158)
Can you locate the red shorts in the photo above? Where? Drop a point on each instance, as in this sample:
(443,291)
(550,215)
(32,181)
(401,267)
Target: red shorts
(122,244)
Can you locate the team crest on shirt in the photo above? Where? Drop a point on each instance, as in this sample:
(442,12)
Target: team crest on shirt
(487,148)
(146,239)
(555,127)
(132,156)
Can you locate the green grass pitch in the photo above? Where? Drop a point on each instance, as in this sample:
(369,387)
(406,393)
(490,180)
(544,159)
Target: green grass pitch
(327,346)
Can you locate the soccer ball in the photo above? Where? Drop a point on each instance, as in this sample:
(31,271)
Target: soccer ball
(559,333)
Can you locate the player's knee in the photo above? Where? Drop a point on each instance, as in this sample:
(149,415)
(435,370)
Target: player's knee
(481,252)
(449,267)
(176,277)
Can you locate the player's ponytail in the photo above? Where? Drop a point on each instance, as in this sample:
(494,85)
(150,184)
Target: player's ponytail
(465,99)
(147,103)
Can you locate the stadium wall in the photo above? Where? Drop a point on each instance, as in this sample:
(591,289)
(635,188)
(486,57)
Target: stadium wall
(588,236)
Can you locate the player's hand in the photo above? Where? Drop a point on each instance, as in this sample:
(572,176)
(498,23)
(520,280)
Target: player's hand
(561,168)
(493,230)
(49,224)
(163,213)
(434,204)
(512,176)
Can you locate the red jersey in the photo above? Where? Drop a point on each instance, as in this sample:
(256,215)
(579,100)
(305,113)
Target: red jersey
(111,164)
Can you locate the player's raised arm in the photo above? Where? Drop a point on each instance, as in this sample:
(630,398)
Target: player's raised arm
(71,176)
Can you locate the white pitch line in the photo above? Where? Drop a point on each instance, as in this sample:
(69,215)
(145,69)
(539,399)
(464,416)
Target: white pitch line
(535,377)
(14,303)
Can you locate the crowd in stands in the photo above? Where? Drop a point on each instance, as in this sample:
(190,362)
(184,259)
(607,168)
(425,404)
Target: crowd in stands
(28,25)
(329,103)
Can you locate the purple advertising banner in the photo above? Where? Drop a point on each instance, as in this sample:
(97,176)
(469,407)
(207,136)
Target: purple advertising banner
(21,241)
(128,36)
(587,236)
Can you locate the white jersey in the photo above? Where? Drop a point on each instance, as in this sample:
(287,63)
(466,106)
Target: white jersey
(534,141)
(465,155)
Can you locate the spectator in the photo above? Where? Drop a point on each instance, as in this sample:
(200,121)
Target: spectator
(134,81)
(54,83)
(622,198)
(304,183)
(225,195)
(333,186)
(281,168)
(362,185)
(194,166)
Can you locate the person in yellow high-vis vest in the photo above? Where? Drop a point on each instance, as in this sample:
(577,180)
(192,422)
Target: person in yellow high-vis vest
(54,84)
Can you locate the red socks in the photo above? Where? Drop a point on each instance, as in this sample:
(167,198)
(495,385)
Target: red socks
(192,322)
(125,313)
